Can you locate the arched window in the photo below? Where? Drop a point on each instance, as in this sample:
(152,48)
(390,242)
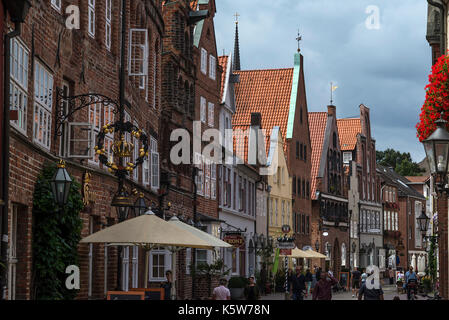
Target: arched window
(334,140)
(343,255)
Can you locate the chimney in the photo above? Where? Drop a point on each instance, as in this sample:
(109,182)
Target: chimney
(256,119)
(332,111)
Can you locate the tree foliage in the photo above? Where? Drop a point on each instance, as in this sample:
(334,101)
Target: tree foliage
(56,234)
(401,162)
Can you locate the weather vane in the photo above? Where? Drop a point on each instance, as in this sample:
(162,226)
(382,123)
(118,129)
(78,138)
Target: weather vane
(236,15)
(298,38)
(333,88)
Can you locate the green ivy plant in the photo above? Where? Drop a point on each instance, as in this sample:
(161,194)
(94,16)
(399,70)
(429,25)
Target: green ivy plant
(56,233)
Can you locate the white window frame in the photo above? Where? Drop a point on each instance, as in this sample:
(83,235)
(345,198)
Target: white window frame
(141,71)
(203,61)
(212,67)
(91,18)
(155,166)
(206,178)
(135,267)
(71,139)
(211,115)
(213,181)
(19,71)
(347,156)
(167,264)
(108,24)
(203,109)
(136,154)
(125,269)
(43,105)
(56,4)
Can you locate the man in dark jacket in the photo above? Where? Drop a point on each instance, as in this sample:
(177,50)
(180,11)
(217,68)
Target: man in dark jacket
(323,289)
(298,285)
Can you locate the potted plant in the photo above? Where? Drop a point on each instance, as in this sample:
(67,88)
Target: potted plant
(237,286)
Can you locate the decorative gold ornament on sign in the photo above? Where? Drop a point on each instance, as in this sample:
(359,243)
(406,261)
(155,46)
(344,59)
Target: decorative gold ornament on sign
(122,148)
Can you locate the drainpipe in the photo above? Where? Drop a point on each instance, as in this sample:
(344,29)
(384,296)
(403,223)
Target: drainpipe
(5,155)
(442,6)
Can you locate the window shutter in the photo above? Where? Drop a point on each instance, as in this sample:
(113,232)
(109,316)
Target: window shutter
(155,170)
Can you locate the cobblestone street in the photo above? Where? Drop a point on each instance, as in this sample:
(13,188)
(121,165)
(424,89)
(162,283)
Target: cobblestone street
(389,293)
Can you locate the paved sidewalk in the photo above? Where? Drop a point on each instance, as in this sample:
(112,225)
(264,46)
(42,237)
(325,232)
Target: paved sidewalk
(389,293)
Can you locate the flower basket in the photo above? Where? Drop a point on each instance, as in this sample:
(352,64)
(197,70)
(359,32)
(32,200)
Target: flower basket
(437,99)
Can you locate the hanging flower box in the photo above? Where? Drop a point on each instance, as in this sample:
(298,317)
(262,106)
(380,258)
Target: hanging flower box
(437,99)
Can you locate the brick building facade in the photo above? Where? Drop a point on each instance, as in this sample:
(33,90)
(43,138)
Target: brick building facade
(330,219)
(46,56)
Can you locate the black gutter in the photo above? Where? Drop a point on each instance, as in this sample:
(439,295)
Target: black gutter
(5,155)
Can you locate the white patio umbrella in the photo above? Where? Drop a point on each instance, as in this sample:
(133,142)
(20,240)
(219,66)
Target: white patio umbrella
(213,241)
(148,231)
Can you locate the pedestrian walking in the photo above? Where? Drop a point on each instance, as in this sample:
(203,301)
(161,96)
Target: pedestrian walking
(289,279)
(308,279)
(391,275)
(371,294)
(356,275)
(251,291)
(411,280)
(167,285)
(298,285)
(323,288)
(221,292)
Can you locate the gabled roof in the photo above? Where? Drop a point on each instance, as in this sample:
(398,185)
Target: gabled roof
(347,131)
(317,128)
(399,181)
(223,61)
(267,92)
(418,179)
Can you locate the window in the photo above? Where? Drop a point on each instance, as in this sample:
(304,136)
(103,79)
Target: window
(207,179)
(307,225)
(301,154)
(19,84)
(203,61)
(276,212)
(343,254)
(347,156)
(56,4)
(297,149)
(160,262)
(200,176)
(283,212)
(305,153)
(212,67)
(91,18)
(135,267)
(203,109)
(154,164)
(213,181)
(146,169)
(136,154)
(43,98)
(99,116)
(211,114)
(294,185)
(108,26)
(201,257)
(125,269)
(138,57)
(299,187)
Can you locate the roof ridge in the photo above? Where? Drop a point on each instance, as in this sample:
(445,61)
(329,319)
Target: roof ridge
(272,69)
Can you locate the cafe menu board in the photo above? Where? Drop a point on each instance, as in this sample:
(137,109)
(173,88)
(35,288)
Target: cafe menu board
(151,293)
(123,295)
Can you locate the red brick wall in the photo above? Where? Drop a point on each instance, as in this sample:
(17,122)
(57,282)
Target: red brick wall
(297,167)
(78,52)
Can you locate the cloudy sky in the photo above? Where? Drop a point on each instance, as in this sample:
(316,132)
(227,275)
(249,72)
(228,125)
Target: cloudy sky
(385,68)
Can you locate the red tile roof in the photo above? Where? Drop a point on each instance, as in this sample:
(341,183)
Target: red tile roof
(223,62)
(418,179)
(347,132)
(267,92)
(317,127)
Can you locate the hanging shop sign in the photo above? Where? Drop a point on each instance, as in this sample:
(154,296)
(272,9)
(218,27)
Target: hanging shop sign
(235,240)
(285,252)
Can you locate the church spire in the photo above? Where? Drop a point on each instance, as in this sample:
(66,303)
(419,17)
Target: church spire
(236,44)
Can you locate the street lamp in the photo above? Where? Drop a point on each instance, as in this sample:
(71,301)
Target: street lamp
(437,152)
(122,202)
(423,222)
(140,207)
(60,184)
